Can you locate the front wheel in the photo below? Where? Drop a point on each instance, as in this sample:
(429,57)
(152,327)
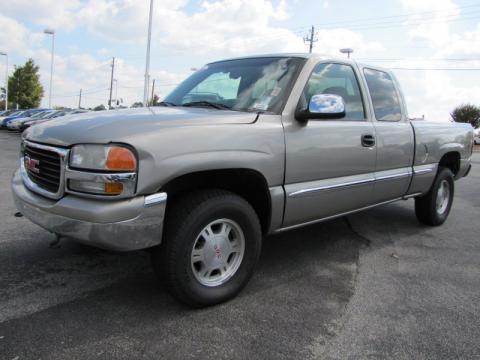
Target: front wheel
(211,245)
(433,208)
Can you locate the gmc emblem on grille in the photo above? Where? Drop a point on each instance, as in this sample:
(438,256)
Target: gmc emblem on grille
(32,164)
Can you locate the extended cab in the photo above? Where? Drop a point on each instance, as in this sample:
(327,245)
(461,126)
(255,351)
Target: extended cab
(241,149)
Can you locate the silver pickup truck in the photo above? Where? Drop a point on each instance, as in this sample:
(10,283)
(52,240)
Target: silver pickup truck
(241,149)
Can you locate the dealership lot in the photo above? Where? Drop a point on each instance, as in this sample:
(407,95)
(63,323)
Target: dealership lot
(376,284)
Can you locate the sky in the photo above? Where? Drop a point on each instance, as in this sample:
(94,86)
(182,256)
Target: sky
(426,43)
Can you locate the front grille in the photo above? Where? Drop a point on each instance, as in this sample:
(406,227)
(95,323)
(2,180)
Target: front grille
(43,167)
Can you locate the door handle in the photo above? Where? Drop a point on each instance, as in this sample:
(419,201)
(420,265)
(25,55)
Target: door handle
(368,140)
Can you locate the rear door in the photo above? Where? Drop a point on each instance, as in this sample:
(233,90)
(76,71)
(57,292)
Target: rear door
(329,169)
(394,135)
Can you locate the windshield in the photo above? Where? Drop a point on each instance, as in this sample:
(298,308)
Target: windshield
(38,115)
(52,114)
(9,112)
(254,84)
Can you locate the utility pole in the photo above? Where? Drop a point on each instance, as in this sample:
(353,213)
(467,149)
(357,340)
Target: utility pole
(311,39)
(147,62)
(111,84)
(80,99)
(153,89)
(116,89)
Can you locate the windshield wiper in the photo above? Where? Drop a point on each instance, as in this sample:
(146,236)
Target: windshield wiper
(166,103)
(209,104)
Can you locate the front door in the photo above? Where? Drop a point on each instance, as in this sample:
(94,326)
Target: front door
(330,163)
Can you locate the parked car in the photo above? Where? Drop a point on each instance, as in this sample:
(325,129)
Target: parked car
(51,114)
(476,140)
(16,115)
(17,123)
(11,115)
(6,113)
(48,115)
(290,140)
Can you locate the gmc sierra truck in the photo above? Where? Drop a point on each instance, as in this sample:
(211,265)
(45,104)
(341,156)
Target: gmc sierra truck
(241,149)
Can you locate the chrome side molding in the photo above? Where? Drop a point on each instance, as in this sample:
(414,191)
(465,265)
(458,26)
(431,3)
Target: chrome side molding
(155,199)
(372,177)
(330,187)
(424,169)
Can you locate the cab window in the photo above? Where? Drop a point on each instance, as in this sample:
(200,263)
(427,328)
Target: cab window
(336,79)
(385,99)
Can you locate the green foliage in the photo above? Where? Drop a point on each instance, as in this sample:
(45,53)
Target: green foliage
(2,98)
(467,113)
(99,108)
(24,86)
(154,101)
(137,104)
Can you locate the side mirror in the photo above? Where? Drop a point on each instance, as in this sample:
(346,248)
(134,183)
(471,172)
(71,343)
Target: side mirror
(323,106)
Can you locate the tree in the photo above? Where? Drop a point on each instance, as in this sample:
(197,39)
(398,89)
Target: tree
(2,97)
(24,86)
(467,113)
(99,107)
(137,104)
(155,100)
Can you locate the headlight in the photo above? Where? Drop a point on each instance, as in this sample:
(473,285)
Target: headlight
(111,170)
(103,157)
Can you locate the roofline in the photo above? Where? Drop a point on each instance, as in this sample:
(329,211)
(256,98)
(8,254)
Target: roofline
(279,55)
(306,56)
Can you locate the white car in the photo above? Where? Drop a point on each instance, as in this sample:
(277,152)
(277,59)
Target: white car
(476,140)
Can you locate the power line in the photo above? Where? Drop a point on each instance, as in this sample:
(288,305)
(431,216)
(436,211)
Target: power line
(83,93)
(435,69)
(354,21)
(411,23)
(412,59)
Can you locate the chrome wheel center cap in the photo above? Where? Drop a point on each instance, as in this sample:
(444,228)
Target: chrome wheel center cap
(217,252)
(217,248)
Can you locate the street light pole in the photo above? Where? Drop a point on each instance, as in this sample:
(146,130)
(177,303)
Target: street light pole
(147,62)
(347,51)
(6,79)
(51,32)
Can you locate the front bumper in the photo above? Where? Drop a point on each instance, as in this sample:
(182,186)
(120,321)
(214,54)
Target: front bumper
(122,225)
(14,126)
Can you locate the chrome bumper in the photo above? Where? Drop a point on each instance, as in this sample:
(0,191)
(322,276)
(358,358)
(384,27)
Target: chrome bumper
(122,225)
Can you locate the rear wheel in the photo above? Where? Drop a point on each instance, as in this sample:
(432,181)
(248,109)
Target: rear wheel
(434,207)
(211,245)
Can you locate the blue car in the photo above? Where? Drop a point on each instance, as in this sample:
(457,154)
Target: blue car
(15,115)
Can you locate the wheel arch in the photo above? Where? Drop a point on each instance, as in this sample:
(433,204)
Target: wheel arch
(247,183)
(451,160)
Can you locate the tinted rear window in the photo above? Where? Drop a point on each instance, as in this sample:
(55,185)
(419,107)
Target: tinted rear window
(384,95)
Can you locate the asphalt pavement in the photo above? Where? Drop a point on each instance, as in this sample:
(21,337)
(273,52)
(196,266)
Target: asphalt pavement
(373,285)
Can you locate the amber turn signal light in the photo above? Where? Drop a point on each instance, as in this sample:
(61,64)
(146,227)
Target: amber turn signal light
(113,188)
(120,158)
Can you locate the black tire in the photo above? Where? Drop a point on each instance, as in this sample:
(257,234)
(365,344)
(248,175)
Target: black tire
(186,218)
(426,205)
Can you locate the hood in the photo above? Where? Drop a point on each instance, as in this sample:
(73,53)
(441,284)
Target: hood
(125,125)
(21,119)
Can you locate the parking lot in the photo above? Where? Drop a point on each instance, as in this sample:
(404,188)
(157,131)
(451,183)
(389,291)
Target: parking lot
(372,285)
